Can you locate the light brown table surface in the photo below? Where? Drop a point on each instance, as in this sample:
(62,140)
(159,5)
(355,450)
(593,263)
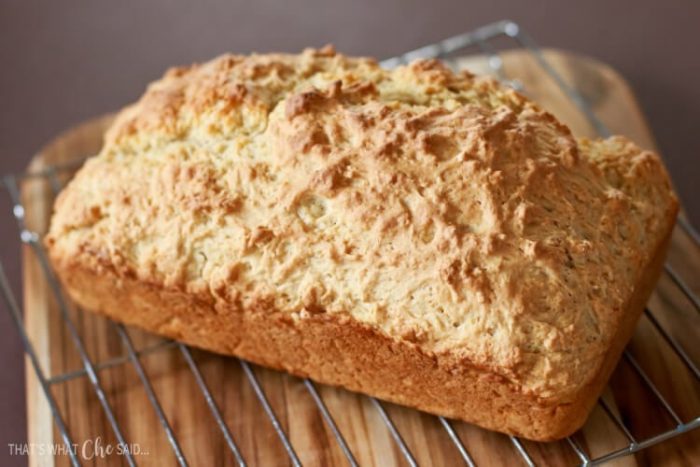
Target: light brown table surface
(63,62)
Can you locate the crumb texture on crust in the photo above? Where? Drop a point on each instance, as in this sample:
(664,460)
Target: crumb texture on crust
(438,208)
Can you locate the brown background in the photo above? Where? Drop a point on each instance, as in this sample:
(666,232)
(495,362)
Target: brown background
(66,61)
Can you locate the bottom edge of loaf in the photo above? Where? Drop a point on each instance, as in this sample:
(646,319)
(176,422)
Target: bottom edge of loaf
(337,350)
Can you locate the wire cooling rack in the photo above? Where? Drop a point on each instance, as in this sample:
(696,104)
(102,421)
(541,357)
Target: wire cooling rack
(479,40)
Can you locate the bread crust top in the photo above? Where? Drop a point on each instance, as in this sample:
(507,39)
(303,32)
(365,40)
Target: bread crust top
(437,207)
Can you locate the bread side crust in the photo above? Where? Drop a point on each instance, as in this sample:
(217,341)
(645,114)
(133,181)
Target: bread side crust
(338,350)
(577,413)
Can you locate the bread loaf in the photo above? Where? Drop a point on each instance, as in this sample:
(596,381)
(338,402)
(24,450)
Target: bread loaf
(427,237)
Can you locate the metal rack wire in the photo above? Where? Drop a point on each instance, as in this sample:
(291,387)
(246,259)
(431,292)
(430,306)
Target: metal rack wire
(480,40)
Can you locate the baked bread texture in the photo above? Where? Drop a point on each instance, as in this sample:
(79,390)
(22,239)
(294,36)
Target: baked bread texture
(427,237)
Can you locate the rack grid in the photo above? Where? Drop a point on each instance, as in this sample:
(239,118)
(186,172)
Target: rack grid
(479,39)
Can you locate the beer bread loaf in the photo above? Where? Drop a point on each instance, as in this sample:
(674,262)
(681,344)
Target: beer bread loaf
(423,236)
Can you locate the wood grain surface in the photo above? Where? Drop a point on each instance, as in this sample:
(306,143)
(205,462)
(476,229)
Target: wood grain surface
(357,418)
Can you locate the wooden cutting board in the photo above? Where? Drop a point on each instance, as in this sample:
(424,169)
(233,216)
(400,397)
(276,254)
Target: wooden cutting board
(357,418)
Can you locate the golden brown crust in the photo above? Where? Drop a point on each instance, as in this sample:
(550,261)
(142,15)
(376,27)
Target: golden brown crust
(340,351)
(442,214)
